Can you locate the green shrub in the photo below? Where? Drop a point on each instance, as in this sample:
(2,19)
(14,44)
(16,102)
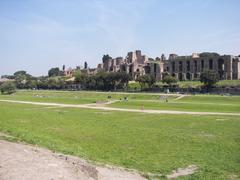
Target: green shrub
(169,80)
(134,86)
(8,88)
(209,78)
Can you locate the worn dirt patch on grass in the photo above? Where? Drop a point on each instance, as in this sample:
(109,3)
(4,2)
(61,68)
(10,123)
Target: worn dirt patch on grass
(183,172)
(20,161)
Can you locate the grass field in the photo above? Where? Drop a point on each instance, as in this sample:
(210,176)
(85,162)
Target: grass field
(145,142)
(185,84)
(201,103)
(77,97)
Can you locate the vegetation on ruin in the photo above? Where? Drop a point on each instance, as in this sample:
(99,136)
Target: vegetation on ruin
(208,54)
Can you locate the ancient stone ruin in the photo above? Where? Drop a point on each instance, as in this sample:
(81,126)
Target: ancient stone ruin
(181,67)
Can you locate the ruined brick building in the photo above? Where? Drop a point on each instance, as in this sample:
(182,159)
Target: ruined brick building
(181,67)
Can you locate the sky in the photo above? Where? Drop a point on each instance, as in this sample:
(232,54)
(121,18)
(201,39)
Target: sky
(36,35)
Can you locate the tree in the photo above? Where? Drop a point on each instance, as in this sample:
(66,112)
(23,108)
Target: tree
(125,78)
(42,82)
(209,78)
(22,78)
(85,65)
(146,80)
(116,80)
(91,82)
(54,72)
(7,76)
(8,88)
(55,83)
(163,57)
(20,73)
(151,81)
(80,77)
(169,80)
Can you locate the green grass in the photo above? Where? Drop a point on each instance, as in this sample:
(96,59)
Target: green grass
(204,103)
(229,83)
(214,99)
(148,143)
(76,97)
(185,84)
(194,84)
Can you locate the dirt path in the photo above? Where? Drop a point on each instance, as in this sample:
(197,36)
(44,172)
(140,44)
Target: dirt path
(121,109)
(25,162)
(180,97)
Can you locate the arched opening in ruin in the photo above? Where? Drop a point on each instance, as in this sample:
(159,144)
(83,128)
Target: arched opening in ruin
(195,76)
(180,66)
(180,76)
(147,69)
(221,68)
(202,64)
(188,76)
(188,65)
(131,69)
(155,68)
(173,66)
(195,66)
(211,64)
(124,68)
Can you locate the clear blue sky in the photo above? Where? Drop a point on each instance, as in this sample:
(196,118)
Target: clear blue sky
(36,35)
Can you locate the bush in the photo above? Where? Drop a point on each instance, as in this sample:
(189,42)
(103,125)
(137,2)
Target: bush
(169,80)
(8,88)
(209,78)
(134,86)
(146,80)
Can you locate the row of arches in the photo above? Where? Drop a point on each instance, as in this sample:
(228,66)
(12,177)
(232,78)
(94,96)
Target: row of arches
(185,76)
(193,65)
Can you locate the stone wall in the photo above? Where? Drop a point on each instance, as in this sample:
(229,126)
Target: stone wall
(191,67)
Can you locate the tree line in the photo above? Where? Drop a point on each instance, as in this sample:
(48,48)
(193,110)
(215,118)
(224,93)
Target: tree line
(105,81)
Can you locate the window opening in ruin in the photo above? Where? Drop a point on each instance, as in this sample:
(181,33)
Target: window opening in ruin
(188,65)
(210,64)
